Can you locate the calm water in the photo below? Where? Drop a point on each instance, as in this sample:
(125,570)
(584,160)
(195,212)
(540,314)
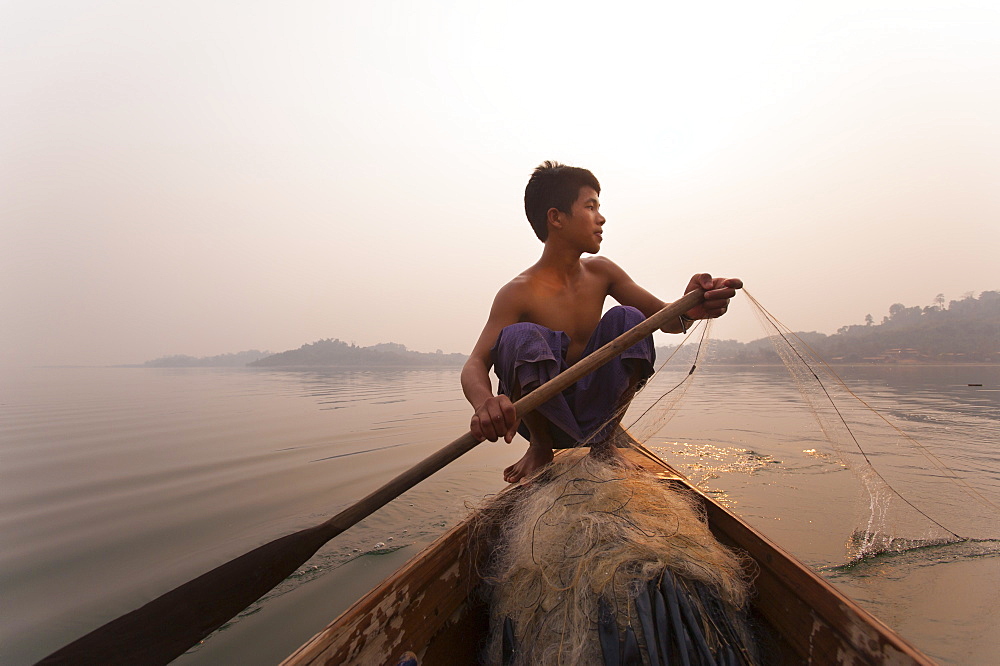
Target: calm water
(121,483)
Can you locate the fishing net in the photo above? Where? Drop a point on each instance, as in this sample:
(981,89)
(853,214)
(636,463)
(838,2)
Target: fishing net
(583,552)
(596,561)
(913,500)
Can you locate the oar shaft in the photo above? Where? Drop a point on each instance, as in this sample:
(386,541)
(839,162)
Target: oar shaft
(170,624)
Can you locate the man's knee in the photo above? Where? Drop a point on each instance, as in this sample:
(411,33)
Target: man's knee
(525,354)
(525,330)
(521,341)
(622,317)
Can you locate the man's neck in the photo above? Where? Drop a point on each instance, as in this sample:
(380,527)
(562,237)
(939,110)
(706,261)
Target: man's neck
(559,261)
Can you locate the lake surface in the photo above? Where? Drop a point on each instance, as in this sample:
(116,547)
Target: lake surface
(119,484)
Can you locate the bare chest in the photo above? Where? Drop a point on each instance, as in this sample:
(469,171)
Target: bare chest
(574,312)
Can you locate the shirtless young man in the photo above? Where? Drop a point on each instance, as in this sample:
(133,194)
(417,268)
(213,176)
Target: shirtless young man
(547,317)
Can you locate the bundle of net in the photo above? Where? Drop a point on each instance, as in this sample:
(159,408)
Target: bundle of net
(583,529)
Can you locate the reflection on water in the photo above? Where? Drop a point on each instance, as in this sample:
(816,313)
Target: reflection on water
(120,484)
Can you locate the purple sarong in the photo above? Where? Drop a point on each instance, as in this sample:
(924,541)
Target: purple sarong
(528,355)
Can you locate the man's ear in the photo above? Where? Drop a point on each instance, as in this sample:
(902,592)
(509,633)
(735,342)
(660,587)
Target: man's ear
(554,217)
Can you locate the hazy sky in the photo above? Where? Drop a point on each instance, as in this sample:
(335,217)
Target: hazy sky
(207,177)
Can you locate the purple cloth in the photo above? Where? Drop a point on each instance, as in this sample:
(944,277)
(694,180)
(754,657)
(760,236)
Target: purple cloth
(528,355)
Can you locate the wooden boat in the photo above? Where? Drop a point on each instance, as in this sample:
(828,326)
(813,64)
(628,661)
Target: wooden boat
(429,607)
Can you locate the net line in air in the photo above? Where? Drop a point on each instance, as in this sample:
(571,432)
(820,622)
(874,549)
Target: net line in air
(786,335)
(814,380)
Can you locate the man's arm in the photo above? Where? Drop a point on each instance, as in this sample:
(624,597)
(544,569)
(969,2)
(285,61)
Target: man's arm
(495,416)
(718,291)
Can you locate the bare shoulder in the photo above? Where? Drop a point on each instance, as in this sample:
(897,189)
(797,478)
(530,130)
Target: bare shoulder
(604,267)
(599,263)
(521,284)
(515,295)
(509,306)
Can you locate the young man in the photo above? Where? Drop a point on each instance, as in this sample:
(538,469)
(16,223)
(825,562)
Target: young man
(549,317)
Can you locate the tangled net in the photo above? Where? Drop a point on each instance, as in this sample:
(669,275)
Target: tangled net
(581,554)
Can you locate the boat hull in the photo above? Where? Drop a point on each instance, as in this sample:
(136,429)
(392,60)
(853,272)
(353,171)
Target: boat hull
(429,607)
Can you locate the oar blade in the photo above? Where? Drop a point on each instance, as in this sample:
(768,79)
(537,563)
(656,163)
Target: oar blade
(166,627)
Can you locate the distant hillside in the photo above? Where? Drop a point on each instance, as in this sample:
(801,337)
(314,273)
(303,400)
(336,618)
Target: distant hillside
(239,359)
(966,331)
(338,353)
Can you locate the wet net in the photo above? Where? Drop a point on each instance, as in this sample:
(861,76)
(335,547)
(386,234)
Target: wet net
(598,563)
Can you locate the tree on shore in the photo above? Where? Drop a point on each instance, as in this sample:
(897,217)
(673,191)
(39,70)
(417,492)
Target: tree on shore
(967,330)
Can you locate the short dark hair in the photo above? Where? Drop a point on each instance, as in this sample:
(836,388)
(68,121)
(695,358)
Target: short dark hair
(554,185)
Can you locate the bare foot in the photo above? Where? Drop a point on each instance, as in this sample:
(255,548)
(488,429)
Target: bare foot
(533,459)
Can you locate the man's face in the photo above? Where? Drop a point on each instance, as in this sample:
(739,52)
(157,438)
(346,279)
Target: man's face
(585,223)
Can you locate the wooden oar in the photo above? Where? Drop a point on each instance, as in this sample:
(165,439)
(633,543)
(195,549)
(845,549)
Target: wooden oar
(166,627)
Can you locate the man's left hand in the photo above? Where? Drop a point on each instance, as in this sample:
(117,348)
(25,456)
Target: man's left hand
(718,291)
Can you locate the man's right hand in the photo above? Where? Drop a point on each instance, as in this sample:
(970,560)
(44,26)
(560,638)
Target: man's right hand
(494,419)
